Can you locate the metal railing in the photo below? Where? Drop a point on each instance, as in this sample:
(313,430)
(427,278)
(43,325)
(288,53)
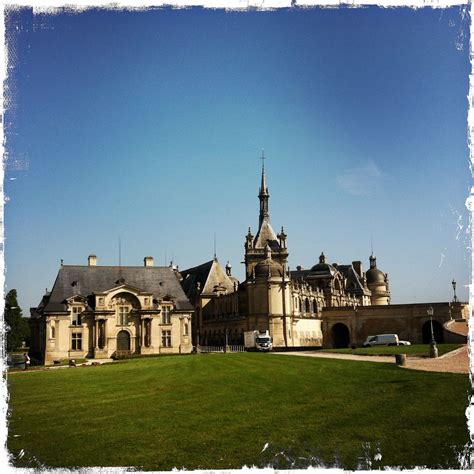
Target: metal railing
(230,348)
(123,353)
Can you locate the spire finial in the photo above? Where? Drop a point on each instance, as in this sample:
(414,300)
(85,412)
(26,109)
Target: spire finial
(120,257)
(263,195)
(215,253)
(371,247)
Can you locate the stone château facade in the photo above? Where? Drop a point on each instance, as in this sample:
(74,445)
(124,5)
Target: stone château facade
(103,311)
(328,305)
(288,303)
(99,312)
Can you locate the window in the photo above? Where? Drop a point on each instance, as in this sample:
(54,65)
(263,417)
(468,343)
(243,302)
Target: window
(166,314)
(147,333)
(76,341)
(101,334)
(166,338)
(186,329)
(76,316)
(53,332)
(122,316)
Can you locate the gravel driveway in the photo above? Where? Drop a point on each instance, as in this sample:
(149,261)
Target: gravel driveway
(455,361)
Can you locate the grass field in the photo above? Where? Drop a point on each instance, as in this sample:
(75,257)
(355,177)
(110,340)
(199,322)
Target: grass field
(419,350)
(219,411)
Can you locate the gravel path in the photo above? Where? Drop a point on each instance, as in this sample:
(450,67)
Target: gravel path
(455,361)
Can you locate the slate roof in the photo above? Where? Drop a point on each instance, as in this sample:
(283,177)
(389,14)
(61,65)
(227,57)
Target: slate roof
(193,275)
(355,282)
(87,280)
(352,277)
(209,275)
(266,235)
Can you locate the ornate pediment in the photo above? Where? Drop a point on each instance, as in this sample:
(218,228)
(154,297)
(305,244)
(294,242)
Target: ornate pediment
(127,288)
(78,299)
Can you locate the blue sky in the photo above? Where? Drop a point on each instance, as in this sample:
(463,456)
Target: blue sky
(149,126)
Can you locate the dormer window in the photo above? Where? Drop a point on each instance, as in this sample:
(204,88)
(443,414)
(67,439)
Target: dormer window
(76,319)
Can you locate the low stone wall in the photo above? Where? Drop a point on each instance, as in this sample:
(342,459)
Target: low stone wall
(456,332)
(347,326)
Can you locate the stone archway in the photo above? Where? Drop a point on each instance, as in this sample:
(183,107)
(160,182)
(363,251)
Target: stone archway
(340,336)
(437,331)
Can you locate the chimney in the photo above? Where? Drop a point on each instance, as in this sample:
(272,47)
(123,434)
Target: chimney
(357,267)
(148,261)
(92,260)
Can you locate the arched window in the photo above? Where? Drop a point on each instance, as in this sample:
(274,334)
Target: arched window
(53,332)
(186,328)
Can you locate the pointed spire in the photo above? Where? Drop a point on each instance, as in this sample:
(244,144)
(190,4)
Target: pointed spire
(263,195)
(263,185)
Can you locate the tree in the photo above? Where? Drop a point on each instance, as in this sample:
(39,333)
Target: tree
(17,327)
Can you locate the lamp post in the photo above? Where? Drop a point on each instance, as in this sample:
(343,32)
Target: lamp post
(455,298)
(354,306)
(433,348)
(227,348)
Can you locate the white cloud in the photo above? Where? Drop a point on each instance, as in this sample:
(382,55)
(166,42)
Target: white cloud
(361,180)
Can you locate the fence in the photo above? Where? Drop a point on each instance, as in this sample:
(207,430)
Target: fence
(230,348)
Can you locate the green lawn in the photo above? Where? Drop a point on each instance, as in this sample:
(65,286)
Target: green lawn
(219,411)
(419,350)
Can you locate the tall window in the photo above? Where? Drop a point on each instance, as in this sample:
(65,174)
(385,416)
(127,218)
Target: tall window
(166,338)
(122,315)
(186,329)
(76,316)
(166,314)
(147,333)
(101,334)
(76,341)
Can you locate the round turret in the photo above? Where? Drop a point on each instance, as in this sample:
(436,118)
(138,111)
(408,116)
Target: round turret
(268,267)
(375,276)
(322,266)
(377,283)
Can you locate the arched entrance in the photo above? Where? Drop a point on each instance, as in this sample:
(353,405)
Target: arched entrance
(123,341)
(437,331)
(340,336)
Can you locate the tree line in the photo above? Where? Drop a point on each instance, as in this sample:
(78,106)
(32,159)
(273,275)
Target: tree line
(17,327)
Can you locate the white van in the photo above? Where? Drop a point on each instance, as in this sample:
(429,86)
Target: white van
(384,340)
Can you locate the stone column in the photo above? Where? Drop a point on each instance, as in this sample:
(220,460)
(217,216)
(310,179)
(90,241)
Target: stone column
(96,334)
(104,328)
(180,333)
(48,334)
(56,334)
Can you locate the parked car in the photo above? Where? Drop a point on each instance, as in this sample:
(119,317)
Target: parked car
(385,340)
